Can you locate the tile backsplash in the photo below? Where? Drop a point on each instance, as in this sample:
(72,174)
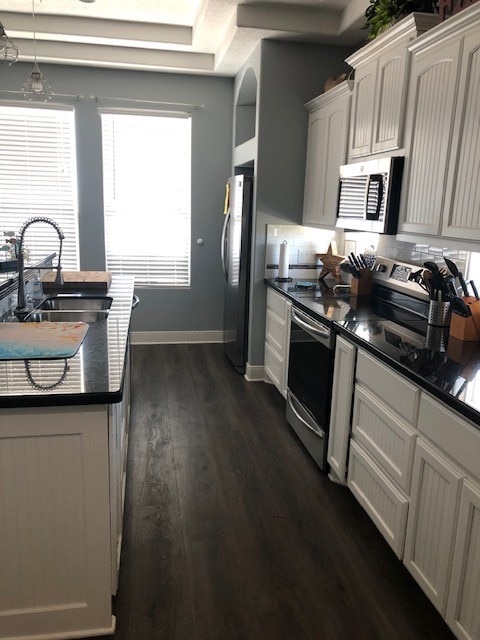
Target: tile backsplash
(305,242)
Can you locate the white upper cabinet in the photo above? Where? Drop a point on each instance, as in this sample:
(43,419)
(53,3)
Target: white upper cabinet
(379,94)
(326,151)
(441,192)
(462,211)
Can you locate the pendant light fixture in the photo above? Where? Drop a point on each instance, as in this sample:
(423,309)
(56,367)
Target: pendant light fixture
(8,49)
(35,88)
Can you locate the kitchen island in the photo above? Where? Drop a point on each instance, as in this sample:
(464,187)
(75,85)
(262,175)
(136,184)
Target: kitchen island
(63,443)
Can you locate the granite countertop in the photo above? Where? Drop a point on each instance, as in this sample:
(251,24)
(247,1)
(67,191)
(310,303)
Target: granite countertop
(446,367)
(93,376)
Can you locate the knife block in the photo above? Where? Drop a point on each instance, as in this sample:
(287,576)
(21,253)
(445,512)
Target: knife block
(362,286)
(467,329)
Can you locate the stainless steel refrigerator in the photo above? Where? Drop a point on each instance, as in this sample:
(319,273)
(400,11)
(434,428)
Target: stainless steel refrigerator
(235,250)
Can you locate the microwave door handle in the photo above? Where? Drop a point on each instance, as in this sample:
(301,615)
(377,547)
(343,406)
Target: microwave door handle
(378,179)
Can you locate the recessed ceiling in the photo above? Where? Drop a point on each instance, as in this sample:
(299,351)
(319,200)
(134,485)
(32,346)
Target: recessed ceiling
(192,36)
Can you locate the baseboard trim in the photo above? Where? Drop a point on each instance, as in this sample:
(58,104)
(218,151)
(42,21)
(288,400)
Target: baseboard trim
(255,372)
(175,337)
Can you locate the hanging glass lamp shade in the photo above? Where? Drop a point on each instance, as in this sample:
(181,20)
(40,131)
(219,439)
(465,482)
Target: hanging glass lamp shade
(35,88)
(8,49)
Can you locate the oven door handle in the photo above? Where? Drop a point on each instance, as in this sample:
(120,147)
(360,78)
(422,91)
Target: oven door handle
(299,417)
(324,333)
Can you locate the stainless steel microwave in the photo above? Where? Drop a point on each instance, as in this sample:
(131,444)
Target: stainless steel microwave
(369,195)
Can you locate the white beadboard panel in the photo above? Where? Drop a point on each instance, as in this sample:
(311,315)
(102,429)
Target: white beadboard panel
(431,126)
(391,75)
(274,366)
(342,393)
(362,109)
(463,219)
(439,422)
(385,436)
(275,328)
(431,523)
(463,611)
(431,102)
(42,486)
(383,502)
(316,162)
(401,395)
(54,522)
(277,303)
(337,148)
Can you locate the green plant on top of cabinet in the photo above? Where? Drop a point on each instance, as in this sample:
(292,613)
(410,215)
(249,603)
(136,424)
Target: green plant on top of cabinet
(326,151)
(441,193)
(380,90)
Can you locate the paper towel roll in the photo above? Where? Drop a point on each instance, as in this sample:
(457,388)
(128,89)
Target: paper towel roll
(283,260)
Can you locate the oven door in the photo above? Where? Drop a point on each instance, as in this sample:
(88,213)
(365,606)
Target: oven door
(309,392)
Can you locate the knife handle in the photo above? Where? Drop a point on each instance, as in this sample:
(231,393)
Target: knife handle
(474,289)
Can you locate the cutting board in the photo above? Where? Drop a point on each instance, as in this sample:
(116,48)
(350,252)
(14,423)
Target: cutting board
(78,281)
(40,340)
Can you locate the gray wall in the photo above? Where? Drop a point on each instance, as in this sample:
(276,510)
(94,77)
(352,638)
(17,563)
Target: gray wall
(289,75)
(201,306)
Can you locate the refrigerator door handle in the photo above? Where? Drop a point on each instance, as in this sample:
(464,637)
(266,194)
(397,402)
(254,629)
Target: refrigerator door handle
(223,245)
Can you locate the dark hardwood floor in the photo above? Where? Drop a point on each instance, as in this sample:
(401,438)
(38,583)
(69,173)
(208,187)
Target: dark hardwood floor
(231,531)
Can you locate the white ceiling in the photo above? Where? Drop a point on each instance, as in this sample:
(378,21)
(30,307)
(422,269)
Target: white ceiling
(194,36)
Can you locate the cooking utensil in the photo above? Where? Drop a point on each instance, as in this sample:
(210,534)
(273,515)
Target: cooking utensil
(474,289)
(458,274)
(431,266)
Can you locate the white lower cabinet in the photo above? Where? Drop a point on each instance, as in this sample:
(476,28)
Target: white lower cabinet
(384,503)
(277,338)
(414,466)
(62,488)
(55,562)
(463,608)
(435,496)
(387,438)
(342,395)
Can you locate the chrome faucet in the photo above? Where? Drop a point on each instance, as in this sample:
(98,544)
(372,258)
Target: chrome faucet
(21,309)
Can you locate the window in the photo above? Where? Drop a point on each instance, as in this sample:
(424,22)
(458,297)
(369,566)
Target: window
(38,178)
(147,186)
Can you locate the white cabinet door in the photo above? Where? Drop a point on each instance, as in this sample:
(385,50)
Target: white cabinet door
(326,152)
(388,114)
(387,438)
(277,340)
(432,519)
(343,377)
(54,523)
(429,120)
(463,610)
(461,217)
(384,503)
(118,422)
(361,119)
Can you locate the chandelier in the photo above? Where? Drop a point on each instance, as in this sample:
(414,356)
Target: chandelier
(8,49)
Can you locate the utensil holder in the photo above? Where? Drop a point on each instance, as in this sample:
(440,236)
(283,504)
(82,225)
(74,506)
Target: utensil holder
(436,338)
(467,329)
(439,313)
(362,286)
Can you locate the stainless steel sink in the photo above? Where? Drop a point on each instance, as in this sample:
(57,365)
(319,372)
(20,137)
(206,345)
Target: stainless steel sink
(76,303)
(73,315)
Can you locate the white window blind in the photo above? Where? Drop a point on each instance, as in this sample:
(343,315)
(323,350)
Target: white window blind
(38,178)
(147,196)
